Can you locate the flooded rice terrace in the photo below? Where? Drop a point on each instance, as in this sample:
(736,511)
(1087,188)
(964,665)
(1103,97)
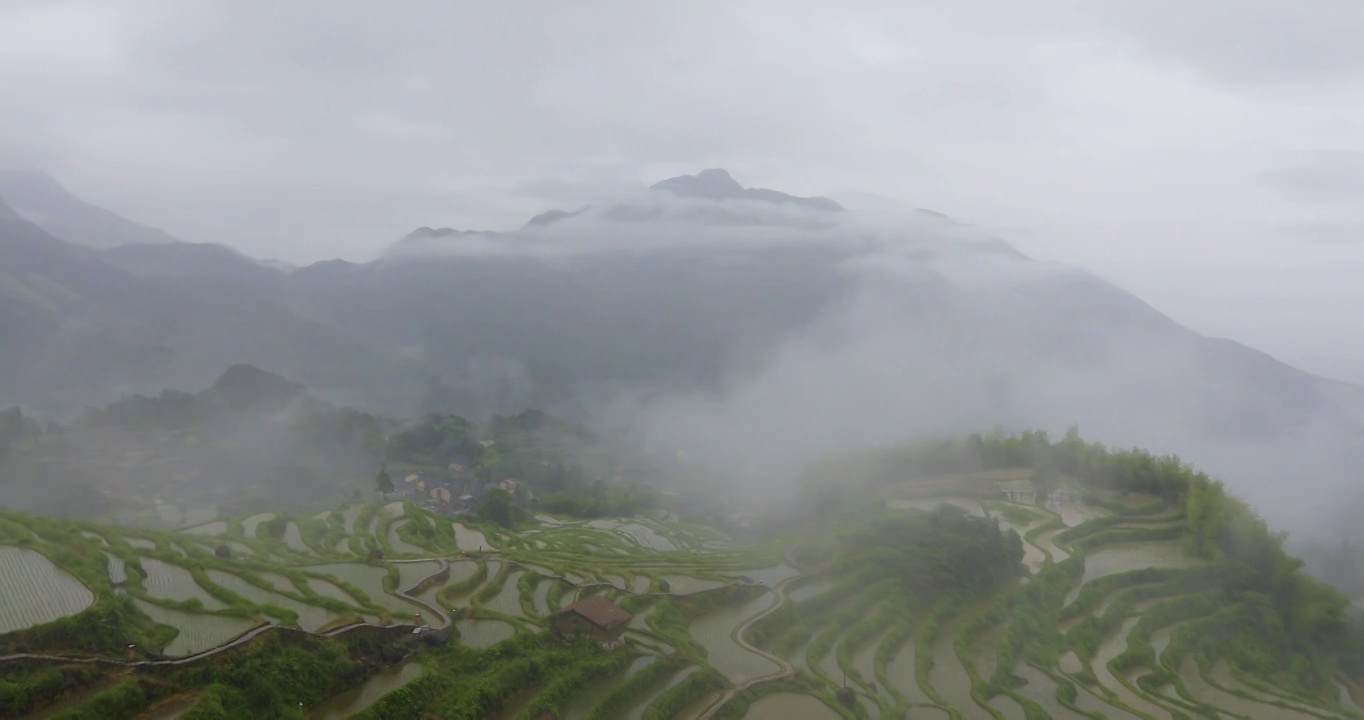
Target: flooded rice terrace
(752,614)
(716,632)
(35,591)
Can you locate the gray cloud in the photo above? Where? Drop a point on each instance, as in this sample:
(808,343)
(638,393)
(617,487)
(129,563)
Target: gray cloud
(1117,132)
(1319,176)
(252,122)
(1325,233)
(1251,42)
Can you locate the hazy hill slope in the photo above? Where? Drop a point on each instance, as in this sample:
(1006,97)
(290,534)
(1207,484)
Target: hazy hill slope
(252,440)
(755,329)
(42,200)
(81,330)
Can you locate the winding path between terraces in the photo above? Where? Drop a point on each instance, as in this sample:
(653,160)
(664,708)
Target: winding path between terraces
(787,670)
(253,632)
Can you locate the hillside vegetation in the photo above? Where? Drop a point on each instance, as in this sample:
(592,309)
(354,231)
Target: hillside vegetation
(1114,585)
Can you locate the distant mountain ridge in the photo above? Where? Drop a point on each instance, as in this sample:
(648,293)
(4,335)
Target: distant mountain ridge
(40,199)
(984,337)
(717,184)
(251,440)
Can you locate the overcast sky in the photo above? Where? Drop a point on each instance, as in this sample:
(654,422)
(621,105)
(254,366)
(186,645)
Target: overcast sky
(1121,135)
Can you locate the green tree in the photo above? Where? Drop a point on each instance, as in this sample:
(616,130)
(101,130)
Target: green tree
(384,482)
(497,506)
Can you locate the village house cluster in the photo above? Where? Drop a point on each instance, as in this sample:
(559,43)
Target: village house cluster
(457,491)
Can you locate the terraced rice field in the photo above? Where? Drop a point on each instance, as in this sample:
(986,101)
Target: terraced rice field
(369,579)
(411,573)
(636,709)
(348,517)
(172,582)
(35,591)
(583,702)
(198,632)
(686,584)
(118,571)
(469,539)
(327,588)
(789,706)
(293,538)
(217,527)
(400,545)
(310,617)
(250,524)
(716,632)
(844,625)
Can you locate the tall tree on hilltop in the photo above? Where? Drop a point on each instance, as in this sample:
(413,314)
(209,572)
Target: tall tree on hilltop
(384,482)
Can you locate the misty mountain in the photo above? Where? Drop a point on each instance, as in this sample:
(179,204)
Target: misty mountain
(214,269)
(251,440)
(83,327)
(717,184)
(43,201)
(757,331)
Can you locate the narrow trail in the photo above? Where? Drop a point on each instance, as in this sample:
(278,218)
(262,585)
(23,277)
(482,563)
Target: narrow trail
(247,636)
(787,670)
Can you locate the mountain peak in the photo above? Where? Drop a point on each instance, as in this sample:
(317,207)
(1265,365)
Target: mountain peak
(428,233)
(718,184)
(247,386)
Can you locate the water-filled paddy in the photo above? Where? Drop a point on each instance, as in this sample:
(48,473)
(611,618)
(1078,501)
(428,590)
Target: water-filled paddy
(949,678)
(310,618)
(1113,646)
(370,580)
(541,596)
(771,576)
(35,591)
(250,524)
(198,632)
(715,632)
(175,583)
(582,703)
(400,545)
(118,571)
(508,600)
(1126,557)
(1195,683)
(348,517)
(790,706)
(279,582)
(686,584)
(217,527)
(810,589)
(293,538)
(647,537)
(412,573)
(900,671)
(326,588)
(1041,689)
(469,539)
